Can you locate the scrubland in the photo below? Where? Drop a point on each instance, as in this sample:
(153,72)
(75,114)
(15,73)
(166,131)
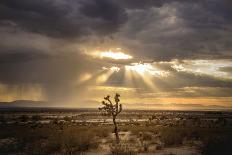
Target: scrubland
(28,136)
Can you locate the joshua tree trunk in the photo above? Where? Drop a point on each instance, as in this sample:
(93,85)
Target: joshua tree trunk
(110,109)
(116,130)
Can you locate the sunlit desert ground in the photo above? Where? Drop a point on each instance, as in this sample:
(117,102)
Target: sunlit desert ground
(86,132)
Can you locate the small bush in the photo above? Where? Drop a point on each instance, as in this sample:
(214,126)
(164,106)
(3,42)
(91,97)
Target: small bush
(102,132)
(218,145)
(8,145)
(172,137)
(122,150)
(67,119)
(74,141)
(147,136)
(36,118)
(24,118)
(36,148)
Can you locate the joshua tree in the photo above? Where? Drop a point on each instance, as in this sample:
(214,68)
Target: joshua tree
(112,110)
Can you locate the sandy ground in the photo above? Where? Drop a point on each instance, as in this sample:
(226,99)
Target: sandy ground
(125,137)
(133,142)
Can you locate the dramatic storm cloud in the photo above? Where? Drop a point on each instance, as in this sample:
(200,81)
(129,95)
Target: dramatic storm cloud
(73,52)
(64,18)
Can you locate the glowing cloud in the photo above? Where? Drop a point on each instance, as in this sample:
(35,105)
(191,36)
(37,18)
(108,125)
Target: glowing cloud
(146,69)
(140,68)
(115,55)
(143,72)
(204,67)
(115,69)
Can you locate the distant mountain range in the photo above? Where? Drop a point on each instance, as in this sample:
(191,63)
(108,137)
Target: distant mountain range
(23,103)
(137,106)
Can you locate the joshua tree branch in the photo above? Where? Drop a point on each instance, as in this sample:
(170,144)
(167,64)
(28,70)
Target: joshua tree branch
(112,110)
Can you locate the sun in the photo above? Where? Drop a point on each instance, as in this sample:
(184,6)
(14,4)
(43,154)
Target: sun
(115,55)
(145,69)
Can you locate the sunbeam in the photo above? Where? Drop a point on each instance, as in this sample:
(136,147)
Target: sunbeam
(104,76)
(144,72)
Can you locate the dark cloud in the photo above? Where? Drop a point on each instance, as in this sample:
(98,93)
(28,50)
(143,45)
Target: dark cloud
(185,79)
(64,18)
(138,4)
(41,68)
(19,57)
(107,11)
(188,29)
(221,8)
(180,30)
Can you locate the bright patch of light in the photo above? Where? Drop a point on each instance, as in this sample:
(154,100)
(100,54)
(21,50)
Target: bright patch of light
(115,69)
(204,67)
(146,69)
(140,68)
(114,55)
(178,68)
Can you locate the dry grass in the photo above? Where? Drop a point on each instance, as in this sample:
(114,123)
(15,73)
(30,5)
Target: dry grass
(73,139)
(122,149)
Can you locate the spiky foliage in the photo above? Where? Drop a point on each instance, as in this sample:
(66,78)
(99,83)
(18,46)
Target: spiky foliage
(112,110)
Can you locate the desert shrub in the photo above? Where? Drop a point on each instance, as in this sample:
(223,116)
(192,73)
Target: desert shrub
(193,134)
(121,149)
(147,136)
(42,147)
(54,143)
(174,136)
(3,119)
(218,145)
(68,141)
(24,118)
(102,132)
(67,119)
(36,148)
(55,121)
(9,145)
(35,135)
(171,137)
(169,153)
(36,118)
(132,140)
(74,141)
(137,129)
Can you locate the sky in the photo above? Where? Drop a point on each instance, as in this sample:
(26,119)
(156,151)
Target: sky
(157,54)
